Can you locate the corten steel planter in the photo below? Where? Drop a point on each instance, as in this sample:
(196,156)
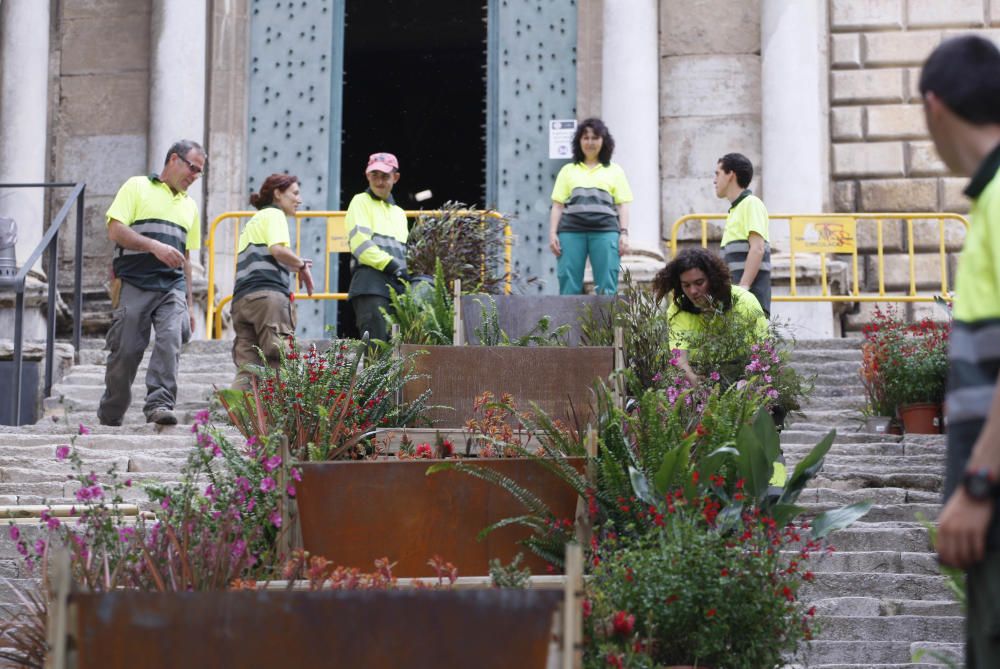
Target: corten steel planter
(923,418)
(353,513)
(559,379)
(492,629)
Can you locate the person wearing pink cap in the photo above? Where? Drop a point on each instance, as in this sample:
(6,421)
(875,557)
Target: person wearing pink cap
(376,233)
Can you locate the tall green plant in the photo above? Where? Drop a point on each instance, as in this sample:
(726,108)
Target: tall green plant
(423,316)
(490,333)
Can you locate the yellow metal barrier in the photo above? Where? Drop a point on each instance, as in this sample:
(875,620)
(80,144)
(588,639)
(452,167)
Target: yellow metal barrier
(820,234)
(336,242)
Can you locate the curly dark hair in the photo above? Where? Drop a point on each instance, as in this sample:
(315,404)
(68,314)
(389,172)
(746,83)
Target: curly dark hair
(668,280)
(607,148)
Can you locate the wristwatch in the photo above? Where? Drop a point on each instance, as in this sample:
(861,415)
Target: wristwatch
(980,485)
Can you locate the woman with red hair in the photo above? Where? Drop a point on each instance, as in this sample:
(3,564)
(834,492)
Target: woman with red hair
(263,314)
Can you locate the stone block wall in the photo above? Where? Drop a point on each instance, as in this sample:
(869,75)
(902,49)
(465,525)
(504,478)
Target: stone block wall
(882,159)
(99,115)
(710,83)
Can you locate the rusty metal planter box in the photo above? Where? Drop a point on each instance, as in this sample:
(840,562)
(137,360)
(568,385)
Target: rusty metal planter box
(491,629)
(559,379)
(356,512)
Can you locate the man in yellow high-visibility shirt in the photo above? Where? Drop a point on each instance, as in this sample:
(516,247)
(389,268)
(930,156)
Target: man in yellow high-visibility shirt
(377,233)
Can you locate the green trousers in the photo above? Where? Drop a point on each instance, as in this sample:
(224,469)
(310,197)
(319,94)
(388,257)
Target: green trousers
(602,248)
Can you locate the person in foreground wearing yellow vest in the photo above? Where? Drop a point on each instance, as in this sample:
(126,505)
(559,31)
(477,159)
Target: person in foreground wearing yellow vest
(698,284)
(155,226)
(263,313)
(960,87)
(377,234)
(745,245)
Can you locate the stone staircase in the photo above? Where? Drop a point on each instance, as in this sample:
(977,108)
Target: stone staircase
(879,596)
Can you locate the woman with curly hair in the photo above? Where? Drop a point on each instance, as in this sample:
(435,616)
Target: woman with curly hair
(589,215)
(700,287)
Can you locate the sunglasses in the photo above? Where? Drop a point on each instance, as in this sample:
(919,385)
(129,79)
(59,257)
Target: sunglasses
(194,168)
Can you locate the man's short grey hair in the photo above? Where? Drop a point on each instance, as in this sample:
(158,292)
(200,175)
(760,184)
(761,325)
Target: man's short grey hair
(182,147)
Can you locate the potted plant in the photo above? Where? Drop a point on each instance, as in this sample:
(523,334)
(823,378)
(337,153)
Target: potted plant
(880,336)
(915,372)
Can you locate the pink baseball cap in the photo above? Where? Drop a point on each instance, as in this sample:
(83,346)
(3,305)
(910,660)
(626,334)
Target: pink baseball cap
(382,162)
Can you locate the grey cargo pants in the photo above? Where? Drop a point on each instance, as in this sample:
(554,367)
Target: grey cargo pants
(127,339)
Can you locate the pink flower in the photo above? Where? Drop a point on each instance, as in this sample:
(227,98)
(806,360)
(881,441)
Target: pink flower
(272,463)
(201,418)
(62,452)
(424,451)
(14,532)
(290,490)
(83,429)
(714,376)
(275,518)
(297,474)
(267,484)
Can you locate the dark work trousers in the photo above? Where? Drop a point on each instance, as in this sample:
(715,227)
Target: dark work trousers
(263,319)
(368,317)
(139,310)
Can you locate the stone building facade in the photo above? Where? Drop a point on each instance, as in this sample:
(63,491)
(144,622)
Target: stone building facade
(821,95)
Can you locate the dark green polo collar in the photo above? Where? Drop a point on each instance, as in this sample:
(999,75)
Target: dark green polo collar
(742,197)
(984,174)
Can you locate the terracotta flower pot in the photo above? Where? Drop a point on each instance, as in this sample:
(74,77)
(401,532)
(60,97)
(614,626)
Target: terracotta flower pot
(877,424)
(923,418)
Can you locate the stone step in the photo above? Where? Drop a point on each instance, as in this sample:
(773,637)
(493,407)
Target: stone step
(838,457)
(874,495)
(883,512)
(885,536)
(883,561)
(876,584)
(61,431)
(828,654)
(889,449)
(96,378)
(947,629)
(43,445)
(77,395)
(850,342)
(853,402)
(872,606)
(828,369)
(823,389)
(848,480)
(151,460)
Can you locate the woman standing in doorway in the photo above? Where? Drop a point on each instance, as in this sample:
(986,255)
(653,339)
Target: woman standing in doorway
(589,216)
(263,315)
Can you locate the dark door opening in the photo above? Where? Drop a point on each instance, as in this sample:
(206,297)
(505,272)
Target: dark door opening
(414,85)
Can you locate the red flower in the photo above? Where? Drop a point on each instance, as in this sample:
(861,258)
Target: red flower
(424,451)
(623,623)
(709,613)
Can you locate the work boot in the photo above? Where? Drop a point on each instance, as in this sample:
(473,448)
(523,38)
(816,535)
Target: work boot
(162,416)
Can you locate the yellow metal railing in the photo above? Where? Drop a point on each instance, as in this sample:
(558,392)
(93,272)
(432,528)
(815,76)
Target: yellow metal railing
(823,234)
(336,242)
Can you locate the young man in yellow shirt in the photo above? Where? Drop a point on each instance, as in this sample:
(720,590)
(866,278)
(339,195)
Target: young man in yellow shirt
(745,246)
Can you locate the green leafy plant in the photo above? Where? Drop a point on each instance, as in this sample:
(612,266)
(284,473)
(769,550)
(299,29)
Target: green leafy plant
(469,245)
(326,404)
(490,333)
(509,576)
(692,592)
(425,315)
(645,329)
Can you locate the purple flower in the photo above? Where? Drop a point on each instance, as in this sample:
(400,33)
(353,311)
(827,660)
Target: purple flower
(275,518)
(39,547)
(62,452)
(83,494)
(767,378)
(242,483)
(52,523)
(165,504)
(272,463)
(267,484)
(83,429)
(201,418)
(239,547)
(22,548)
(772,393)
(128,483)
(15,533)
(290,490)
(251,504)
(714,376)
(297,474)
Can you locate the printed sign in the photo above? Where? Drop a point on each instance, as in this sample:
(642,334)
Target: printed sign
(336,235)
(823,235)
(561,138)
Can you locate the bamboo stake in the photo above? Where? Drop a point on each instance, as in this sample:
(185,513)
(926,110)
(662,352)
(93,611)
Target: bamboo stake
(458,337)
(619,383)
(584,523)
(57,626)
(573,609)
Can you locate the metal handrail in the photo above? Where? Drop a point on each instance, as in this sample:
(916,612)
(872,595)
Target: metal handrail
(50,243)
(854,295)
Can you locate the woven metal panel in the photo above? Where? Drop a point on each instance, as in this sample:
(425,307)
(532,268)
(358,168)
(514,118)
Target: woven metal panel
(532,69)
(295,58)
